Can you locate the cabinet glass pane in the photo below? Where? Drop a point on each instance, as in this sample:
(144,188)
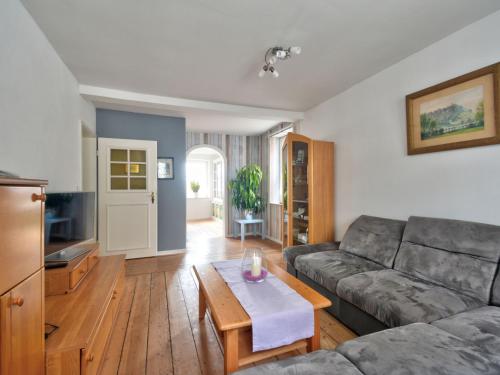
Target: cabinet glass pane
(138,183)
(137,169)
(119,155)
(299,212)
(118,169)
(284,194)
(138,156)
(119,183)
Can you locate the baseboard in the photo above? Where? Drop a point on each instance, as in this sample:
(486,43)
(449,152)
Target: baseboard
(274,240)
(170,252)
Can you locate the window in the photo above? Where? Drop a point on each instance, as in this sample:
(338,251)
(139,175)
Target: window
(275,164)
(218,180)
(197,171)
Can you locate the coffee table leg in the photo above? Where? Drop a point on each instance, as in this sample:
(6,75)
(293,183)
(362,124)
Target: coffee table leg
(230,351)
(313,343)
(202,305)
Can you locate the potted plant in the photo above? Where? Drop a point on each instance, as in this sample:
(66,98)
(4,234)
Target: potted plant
(245,189)
(195,187)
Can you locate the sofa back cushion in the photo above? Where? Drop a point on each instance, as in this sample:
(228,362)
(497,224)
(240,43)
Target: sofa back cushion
(495,292)
(459,255)
(374,238)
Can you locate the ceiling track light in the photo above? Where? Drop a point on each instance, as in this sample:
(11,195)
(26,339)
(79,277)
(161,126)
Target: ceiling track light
(273,55)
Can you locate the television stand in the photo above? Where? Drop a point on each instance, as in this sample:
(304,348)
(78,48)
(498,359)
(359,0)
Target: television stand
(67,277)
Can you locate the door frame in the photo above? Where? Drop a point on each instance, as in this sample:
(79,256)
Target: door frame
(225,224)
(128,144)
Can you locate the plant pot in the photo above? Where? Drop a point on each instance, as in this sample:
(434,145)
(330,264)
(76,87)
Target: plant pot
(249,215)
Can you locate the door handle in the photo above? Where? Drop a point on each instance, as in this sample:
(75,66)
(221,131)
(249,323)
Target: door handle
(153,197)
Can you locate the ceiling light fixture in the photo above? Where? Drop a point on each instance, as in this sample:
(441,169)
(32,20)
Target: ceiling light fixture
(273,55)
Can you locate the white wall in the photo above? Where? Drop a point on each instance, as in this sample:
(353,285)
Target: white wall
(198,208)
(373,173)
(40,106)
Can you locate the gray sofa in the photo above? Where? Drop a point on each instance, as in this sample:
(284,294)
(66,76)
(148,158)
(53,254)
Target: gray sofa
(433,282)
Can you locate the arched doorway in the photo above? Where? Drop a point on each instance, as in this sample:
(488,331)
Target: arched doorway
(206,196)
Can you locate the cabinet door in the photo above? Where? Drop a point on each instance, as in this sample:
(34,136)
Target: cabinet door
(22,328)
(21,234)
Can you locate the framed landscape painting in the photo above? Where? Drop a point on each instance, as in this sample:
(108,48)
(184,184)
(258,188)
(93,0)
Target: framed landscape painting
(462,112)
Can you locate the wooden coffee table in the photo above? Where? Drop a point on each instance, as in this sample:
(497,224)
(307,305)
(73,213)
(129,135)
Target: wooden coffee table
(233,324)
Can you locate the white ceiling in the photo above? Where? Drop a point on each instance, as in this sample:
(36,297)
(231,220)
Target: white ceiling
(212,49)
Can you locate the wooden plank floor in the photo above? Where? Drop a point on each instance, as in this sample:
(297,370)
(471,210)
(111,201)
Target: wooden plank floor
(157,329)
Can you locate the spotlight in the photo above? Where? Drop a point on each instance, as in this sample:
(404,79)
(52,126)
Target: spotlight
(274,72)
(263,71)
(273,55)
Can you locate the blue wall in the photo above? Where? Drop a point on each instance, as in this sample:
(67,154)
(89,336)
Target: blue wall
(170,132)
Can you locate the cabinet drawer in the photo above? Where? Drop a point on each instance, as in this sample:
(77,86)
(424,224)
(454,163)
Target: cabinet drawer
(93,259)
(92,356)
(21,244)
(78,273)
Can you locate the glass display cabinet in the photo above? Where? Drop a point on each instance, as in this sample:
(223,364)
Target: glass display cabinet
(307,191)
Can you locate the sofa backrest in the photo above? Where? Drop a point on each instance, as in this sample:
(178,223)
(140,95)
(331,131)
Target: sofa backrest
(374,238)
(458,255)
(495,291)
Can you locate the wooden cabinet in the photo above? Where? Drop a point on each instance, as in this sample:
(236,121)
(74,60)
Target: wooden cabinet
(21,316)
(307,196)
(85,318)
(21,234)
(21,276)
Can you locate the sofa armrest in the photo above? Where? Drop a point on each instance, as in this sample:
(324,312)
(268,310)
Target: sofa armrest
(292,252)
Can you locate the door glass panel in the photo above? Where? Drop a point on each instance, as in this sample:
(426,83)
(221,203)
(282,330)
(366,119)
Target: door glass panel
(118,155)
(137,169)
(137,183)
(119,169)
(133,170)
(119,183)
(138,156)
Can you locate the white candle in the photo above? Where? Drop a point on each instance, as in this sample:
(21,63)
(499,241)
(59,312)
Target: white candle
(256,266)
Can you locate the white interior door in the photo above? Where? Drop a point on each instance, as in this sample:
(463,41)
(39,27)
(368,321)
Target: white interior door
(127,197)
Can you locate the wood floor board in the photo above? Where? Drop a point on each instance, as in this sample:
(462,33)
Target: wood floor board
(184,354)
(157,330)
(207,345)
(134,354)
(336,330)
(159,355)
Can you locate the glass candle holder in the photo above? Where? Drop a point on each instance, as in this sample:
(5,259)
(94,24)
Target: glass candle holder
(252,266)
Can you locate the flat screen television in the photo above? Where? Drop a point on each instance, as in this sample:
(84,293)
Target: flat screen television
(69,222)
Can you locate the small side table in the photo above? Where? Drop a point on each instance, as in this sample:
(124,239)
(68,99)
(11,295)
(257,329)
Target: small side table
(244,222)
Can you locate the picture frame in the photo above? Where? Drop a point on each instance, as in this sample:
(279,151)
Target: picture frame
(459,113)
(165,168)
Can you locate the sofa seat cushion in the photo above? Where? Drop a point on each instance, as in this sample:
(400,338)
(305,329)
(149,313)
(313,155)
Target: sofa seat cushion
(292,252)
(321,362)
(396,299)
(328,267)
(417,349)
(480,326)
(374,238)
